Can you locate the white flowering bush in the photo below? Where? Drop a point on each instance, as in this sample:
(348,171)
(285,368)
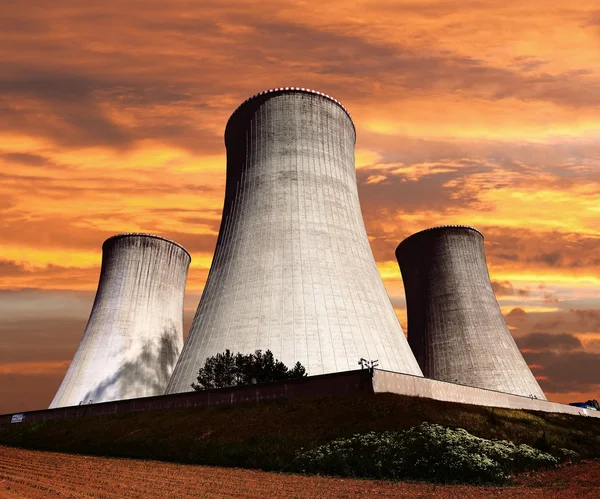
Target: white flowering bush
(428,452)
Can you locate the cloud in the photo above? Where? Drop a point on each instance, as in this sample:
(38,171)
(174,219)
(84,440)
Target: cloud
(591,341)
(170,76)
(550,324)
(567,250)
(71,115)
(590,319)
(34,368)
(543,341)
(37,341)
(502,288)
(517,314)
(565,371)
(10,268)
(17,275)
(492,127)
(25,159)
(28,392)
(505,288)
(414,190)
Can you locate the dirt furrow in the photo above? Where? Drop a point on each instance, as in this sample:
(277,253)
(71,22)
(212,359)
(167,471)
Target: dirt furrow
(131,482)
(38,488)
(33,474)
(42,476)
(72,481)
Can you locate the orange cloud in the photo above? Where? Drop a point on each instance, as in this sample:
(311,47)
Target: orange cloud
(34,368)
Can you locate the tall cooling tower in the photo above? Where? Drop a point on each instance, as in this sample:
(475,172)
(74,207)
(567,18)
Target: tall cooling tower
(455,326)
(135,331)
(293,271)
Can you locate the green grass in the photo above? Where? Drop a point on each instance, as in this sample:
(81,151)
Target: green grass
(268,436)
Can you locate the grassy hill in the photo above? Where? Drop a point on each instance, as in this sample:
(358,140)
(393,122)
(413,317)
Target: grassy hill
(268,435)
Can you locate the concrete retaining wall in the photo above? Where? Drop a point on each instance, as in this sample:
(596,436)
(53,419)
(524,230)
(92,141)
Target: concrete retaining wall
(405,384)
(346,383)
(338,384)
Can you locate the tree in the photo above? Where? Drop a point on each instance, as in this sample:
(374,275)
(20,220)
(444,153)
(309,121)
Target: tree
(225,369)
(218,371)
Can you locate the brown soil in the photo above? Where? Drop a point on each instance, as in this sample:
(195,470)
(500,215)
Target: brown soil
(35,474)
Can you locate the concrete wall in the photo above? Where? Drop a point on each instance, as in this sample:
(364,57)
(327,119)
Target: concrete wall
(293,271)
(455,327)
(348,383)
(135,331)
(414,386)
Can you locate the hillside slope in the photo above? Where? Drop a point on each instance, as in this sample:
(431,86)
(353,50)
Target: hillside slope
(268,435)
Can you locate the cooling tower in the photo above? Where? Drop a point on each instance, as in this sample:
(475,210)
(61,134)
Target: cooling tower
(135,331)
(293,271)
(455,326)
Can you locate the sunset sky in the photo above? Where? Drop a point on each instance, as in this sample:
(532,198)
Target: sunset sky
(483,113)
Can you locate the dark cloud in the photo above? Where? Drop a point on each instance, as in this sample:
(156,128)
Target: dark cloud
(71,112)
(70,108)
(21,392)
(25,159)
(430,191)
(349,56)
(528,63)
(550,259)
(502,288)
(49,86)
(565,371)
(204,63)
(511,257)
(380,201)
(550,299)
(590,319)
(562,160)
(10,268)
(544,341)
(53,232)
(564,249)
(505,288)
(48,276)
(40,339)
(550,324)
(517,314)
(20,24)
(594,345)
(68,187)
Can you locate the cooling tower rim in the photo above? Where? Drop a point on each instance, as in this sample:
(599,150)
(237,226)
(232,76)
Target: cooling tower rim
(289,90)
(143,234)
(436,229)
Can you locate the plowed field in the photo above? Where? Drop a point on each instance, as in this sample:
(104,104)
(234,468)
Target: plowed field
(34,474)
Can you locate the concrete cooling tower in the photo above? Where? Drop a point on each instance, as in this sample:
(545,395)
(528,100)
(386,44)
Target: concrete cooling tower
(135,331)
(293,271)
(455,326)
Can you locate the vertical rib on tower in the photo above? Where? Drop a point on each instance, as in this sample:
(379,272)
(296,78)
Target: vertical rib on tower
(293,271)
(135,331)
(455,326)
